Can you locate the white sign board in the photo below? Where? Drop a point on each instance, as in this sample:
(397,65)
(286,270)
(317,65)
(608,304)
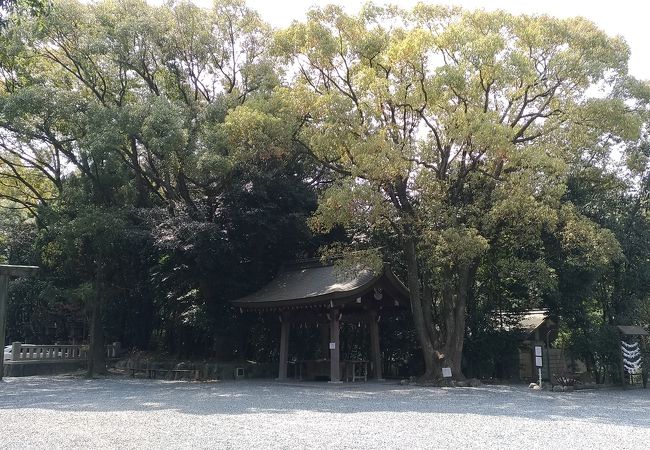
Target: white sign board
(538,361)
(538,350)
(446,372)
(332,345)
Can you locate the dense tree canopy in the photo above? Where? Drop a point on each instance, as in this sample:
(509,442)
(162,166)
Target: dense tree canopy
(167,159)
(112,138)
(455,132)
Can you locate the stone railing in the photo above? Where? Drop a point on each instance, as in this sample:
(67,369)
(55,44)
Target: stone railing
(31,352)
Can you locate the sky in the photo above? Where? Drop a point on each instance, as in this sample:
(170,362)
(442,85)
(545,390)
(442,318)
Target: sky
(628,18)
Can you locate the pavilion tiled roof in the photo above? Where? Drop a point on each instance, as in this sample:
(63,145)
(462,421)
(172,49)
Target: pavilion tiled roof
(312,283)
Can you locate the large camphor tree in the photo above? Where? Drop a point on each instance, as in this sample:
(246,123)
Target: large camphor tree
(438,127)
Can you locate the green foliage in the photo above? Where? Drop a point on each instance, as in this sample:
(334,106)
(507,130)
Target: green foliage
(115,137)
(598,346)
(14,9)
(493,354)
(162,160)
(456,131)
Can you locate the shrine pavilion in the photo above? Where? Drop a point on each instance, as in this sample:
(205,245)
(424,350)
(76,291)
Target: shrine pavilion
(313,292)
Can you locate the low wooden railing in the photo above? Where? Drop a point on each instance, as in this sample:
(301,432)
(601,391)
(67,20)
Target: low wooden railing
(31,352)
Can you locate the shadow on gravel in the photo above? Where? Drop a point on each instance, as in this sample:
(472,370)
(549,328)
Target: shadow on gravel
(630,408)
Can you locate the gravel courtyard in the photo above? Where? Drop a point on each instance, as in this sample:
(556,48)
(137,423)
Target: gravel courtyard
(67,412)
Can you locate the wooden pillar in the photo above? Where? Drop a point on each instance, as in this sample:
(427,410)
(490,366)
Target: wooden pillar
(644,365)
(4,288)
(335,362)
(375,351)
(621,360)
(284,346)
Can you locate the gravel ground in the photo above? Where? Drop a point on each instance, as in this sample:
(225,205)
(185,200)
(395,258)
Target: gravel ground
(69,412)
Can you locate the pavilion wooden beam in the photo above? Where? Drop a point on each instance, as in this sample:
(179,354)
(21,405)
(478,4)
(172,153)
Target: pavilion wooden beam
(335,350)
(320,316)
(284,345)
(7,271)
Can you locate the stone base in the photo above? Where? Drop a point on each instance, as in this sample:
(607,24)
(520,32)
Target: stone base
(31,368)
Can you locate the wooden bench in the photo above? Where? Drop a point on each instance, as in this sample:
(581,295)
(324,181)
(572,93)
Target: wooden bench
(172,374)
(135,370)
(356,370)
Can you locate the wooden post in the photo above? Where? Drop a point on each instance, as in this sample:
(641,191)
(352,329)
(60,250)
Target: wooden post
(7,271)
(621,360)
(644,363)
(335,351)
(4,287)
(284,345)
(375,352)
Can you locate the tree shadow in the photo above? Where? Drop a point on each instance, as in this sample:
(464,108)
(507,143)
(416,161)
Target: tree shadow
(627,408)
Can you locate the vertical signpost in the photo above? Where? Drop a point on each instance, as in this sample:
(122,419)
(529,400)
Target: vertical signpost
(7,271)
(538,363)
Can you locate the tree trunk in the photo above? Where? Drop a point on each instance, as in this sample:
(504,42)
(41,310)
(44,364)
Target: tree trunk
(142,200)
(442,348)
(419,319)
(456,299)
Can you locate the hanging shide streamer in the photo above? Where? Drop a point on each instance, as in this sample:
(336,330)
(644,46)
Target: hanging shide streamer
(629,346)
(631,357)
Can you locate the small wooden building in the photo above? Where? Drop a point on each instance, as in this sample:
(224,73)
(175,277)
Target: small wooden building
(538,329)
(312,292)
